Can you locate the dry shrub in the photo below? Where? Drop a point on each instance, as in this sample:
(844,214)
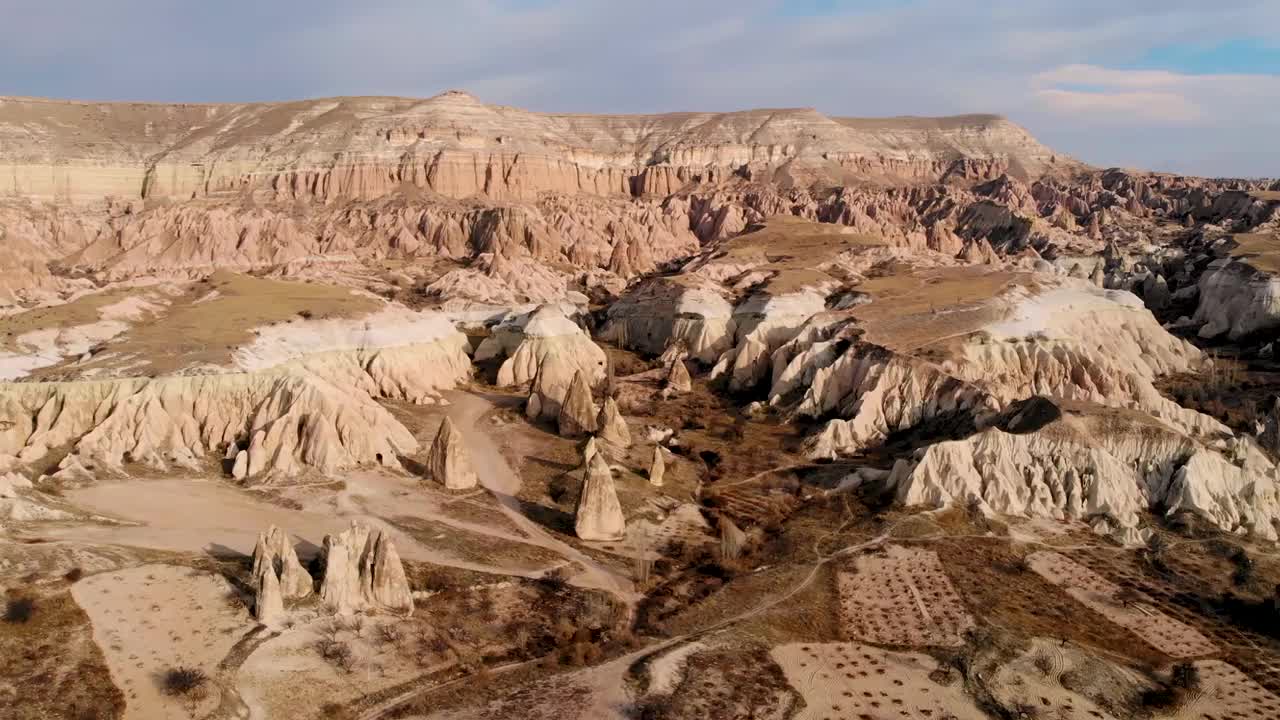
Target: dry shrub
(19,610)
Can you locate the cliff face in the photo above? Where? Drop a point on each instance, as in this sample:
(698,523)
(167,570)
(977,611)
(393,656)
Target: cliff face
(458,147)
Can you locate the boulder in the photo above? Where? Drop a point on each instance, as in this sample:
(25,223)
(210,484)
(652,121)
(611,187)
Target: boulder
(599,514)
(578,411)
(449,462)
(611,427)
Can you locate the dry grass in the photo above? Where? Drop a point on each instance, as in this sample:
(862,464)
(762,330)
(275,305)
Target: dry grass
(792,248)
(1261,250)
(50,666)
(190,332)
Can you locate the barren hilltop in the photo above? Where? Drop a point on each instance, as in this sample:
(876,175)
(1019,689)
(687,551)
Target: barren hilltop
(385,407)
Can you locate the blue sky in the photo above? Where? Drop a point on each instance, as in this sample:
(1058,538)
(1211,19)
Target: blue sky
(1180,85)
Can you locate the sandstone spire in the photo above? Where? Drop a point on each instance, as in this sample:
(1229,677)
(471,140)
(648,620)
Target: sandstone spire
(340,590)
(390,588)
(678,377)
(611,426)
(1098,277)
(578,412)
(589,450)
(599,514)
(449,462)
(362,569)
(275,551)
(268,604)
(659,467)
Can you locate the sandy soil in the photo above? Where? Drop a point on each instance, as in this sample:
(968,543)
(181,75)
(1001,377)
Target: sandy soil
(190,515)
(151,618)
(1228,693)
(1159,630)
(1035,679)
(902,598)
(840,680)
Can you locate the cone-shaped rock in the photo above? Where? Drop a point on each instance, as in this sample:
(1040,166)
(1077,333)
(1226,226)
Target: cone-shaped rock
(732,539)
(658,469)
(343,561)
(599,516)
(610,425)
(449,461)
(275,550)
(678,378)
(578,412)
(268,604)
(589,450)
(240,467)
(1098,276)
(390,588)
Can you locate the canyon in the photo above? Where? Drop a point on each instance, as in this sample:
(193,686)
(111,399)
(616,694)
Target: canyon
(599,393)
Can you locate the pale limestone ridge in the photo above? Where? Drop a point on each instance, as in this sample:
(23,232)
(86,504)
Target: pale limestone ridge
(362,571)
(599,514)
(310,412)
(453,145)
(449,461)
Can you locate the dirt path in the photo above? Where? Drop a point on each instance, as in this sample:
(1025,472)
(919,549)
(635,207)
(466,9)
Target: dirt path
(467,409)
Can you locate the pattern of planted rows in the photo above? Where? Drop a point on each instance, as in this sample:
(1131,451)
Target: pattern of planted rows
(850,680)
(902,597)
(1162,632)
(1229,694)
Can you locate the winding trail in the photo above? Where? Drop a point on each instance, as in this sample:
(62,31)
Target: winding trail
(466,409)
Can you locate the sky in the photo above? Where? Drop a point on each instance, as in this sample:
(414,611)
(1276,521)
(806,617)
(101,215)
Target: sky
(1187,86)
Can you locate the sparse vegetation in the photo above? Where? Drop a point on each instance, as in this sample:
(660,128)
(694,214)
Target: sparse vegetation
(19,609)
(183,681)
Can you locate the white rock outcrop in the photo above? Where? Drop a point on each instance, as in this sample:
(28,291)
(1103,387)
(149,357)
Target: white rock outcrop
(1098,466)
(599,514)
(1236,299)
(312,411)
(449,461)
(552,351)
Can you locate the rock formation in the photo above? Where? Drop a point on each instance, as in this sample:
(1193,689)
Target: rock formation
(449,461)
(611,426)
(578,412)
(275,551)
(599,514)
(678,379)
(362,570)
(658,468)
(551,351)
(268,603)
